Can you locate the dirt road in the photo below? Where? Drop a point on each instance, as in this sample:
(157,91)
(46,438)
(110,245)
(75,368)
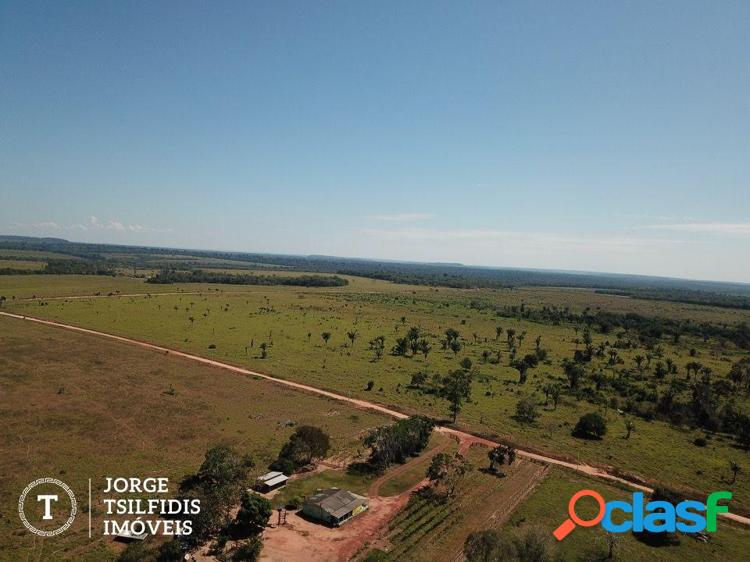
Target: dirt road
(461,435)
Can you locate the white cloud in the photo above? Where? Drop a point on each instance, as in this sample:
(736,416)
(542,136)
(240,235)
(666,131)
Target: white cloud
(403,217)
(50,225)
(93,224)
(717,228)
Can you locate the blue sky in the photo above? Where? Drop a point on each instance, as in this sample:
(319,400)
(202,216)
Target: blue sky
(604,136)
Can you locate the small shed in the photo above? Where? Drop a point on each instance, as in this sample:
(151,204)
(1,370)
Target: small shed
(334,506)
(270,481)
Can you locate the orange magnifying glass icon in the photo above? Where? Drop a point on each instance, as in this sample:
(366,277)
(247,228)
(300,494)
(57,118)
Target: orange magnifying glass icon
(569,524)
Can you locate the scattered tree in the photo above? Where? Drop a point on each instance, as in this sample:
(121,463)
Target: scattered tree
(735,469)
(456,389)
(305,445)
(629,428)
(377,346)
(499,455)
(591,426)
(527,409)
(445,471)
(425,347)
(254,512)
(455,346)
(352,335)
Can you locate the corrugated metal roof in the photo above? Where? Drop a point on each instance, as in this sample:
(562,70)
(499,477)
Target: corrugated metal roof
(276,480)
(269,476)
(337,503)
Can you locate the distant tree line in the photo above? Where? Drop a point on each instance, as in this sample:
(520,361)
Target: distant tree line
(649,329)
(684,296)
(169,276)
(78,267)
(434,274)
(65,267)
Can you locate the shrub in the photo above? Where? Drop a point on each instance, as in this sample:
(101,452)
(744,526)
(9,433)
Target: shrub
(487,545)
(590,426)
(171,551)
(527,409)
(135,552)
(418,379)
(294,503)
(248,551)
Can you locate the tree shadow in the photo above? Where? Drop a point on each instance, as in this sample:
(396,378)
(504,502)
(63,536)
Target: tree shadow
(189,482)
(313,520)
(657,540)
(496,473)
(238,531)
(525,421)
(362,468)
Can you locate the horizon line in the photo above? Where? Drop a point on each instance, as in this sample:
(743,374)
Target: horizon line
(572,272)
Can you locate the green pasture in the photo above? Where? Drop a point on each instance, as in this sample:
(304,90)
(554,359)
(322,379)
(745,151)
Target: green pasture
(21,264)
(547,508)
(230,323)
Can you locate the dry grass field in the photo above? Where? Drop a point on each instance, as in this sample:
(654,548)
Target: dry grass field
(76,406)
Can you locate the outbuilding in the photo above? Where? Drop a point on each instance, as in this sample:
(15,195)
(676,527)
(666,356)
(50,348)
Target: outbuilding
(334,506)
(270,481)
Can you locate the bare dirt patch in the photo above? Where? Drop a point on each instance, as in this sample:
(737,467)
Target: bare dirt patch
(303,539)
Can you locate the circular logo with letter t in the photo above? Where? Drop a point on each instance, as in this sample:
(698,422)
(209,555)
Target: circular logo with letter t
(50,504)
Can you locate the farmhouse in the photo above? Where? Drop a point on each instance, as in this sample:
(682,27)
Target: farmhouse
(270,481)
(334,506)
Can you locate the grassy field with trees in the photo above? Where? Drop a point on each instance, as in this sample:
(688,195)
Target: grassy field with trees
(672,392)
(547,508)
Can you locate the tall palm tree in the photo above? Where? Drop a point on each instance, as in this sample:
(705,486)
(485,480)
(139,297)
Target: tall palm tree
(352,335)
